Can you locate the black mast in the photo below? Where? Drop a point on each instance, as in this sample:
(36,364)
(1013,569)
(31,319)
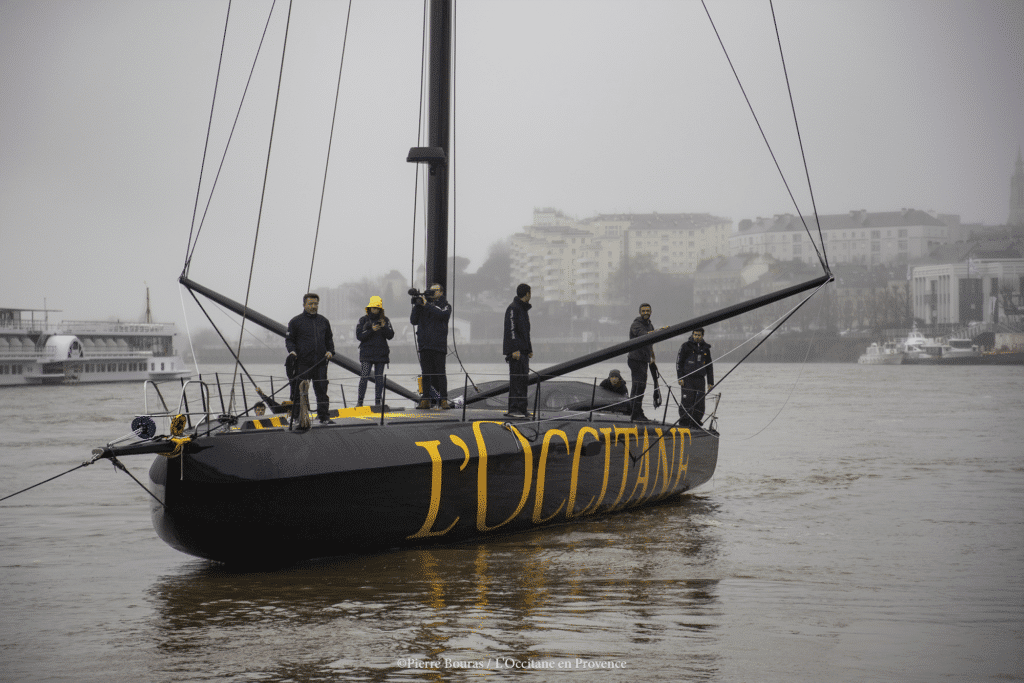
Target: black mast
(437,154)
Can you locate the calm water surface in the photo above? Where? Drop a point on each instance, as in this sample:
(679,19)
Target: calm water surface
(865,524)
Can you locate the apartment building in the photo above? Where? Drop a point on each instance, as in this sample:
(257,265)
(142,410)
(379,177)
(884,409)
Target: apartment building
(573,260)
(867,238)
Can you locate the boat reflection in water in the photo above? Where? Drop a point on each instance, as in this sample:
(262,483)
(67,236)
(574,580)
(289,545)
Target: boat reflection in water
(558,593)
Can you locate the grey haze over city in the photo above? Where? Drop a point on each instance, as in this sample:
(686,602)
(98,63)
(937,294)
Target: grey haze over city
(589,107)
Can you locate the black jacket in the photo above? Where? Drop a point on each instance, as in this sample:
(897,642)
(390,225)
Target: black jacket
(309,337)
(622,389)
(694,355)
(373,345)
(517,329)
(431,320)
(639,328)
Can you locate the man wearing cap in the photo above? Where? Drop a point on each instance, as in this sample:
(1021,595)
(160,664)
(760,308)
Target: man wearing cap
(431,315)
(614,382)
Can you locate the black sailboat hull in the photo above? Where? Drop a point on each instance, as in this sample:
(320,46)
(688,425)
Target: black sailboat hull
(276,497)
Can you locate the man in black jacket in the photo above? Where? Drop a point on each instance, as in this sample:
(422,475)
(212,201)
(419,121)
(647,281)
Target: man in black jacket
(693,364)
(431,315)
(518,351)
(638,361)
(311,343)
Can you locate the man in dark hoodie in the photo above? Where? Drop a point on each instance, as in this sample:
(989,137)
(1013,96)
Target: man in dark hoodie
(518,351)
(311,342)
(693,364)
(638,361)
(431,315)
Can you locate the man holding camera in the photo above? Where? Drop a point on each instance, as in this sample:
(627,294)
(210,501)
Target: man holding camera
(431,313)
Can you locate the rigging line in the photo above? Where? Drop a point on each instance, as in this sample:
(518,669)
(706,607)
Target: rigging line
(117,463)
(773,331)
(454,184)
(234,125)
(330,140)
(419,139)
(188,330)
(792,388)
(84,464)
(238,361)
(759,127)
(206,143)
(772,328)
(263,195)
(778,324)
(799,138)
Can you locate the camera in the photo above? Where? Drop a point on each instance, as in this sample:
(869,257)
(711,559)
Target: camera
(415,296)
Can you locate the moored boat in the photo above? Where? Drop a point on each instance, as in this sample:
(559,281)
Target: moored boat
(34,351)
(921,350)
(886,354)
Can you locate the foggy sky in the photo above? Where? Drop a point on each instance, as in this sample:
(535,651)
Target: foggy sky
(587,106)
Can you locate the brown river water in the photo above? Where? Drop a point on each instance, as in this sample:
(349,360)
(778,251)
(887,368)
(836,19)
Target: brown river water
(865,524)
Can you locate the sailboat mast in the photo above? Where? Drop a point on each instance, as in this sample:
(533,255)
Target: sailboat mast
(439,134)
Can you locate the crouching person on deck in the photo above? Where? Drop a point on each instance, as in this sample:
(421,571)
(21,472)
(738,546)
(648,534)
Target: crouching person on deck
(693,364)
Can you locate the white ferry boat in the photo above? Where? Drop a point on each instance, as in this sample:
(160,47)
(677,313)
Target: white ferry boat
(34,351)
(886,354)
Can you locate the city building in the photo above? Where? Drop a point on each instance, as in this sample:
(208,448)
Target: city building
(573,261)
(868,238)
(970,282)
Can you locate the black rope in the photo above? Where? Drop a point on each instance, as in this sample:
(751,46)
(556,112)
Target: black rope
(773,331)
(761,129)
(793,388)
(823,256)
(263,192)
(330,141)
(206,144)
(234,125)
(238,361)
(117,463)
(84,464)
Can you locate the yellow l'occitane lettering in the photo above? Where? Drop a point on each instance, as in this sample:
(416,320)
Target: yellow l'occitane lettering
(683,456)
(645,470)
(607,432)
(435,492)
(624,431)
(663,469)
(569,514)
(541,466)
(481,477)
